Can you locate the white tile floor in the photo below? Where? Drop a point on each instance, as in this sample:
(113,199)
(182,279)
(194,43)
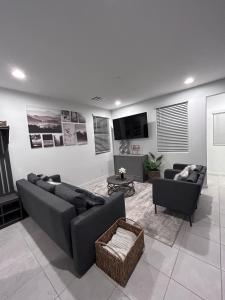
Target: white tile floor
(33,267)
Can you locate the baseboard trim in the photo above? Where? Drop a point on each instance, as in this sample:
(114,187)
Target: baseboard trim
(216,173)
(96,180)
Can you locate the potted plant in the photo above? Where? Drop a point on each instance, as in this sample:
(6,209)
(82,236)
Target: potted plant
(152,165)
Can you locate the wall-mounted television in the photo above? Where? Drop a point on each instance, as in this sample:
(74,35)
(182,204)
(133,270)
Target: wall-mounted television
(131,127)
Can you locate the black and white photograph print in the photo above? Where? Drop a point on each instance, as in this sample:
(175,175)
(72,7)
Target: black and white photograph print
(43,120)
(35,141)
(65,115)
(81,133)
(47,140)
(58,139)
(81,118)
(102,135)
(74,116)
(69,134)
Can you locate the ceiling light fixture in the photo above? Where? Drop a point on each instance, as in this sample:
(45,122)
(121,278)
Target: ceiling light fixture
(189,80)
(117,102)
(18,74)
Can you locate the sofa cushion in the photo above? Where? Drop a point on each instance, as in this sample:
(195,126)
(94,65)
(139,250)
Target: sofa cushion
(45,186)
(71,196)
(33,178)
(92,199)
(193,177)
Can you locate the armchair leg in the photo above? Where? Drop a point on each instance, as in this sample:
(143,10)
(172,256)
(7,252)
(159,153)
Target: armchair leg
(190,221)
(155,209)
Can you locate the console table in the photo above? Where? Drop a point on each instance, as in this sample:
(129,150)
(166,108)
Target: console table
(134,165)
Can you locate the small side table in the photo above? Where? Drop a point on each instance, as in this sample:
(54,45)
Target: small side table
(116,184)
(10,209)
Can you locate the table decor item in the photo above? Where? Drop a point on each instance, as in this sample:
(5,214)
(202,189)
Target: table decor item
(122,172)
(124,147)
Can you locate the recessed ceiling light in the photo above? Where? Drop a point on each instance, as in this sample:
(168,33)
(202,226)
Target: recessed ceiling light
(117,102)
(18,74)
(189,80)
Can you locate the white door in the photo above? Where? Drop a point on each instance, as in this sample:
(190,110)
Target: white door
(216,134)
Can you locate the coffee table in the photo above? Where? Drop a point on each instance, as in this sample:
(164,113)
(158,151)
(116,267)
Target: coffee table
(116,184)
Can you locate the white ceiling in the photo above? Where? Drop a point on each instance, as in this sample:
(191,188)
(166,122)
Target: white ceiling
(127,49)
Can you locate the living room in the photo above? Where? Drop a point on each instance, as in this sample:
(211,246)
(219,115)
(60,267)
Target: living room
(95,98)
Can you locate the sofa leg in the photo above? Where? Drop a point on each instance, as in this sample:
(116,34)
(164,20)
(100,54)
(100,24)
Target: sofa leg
(190,221)
(155,209)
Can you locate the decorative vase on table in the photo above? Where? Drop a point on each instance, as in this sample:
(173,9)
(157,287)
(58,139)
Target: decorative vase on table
(122,172)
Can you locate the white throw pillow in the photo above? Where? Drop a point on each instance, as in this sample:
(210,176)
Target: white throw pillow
(183,174)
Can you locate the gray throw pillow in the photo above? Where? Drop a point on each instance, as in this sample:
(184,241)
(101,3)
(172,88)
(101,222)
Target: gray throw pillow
(193,177)
(69,195)
(92,199)
(33,178)
(45,186)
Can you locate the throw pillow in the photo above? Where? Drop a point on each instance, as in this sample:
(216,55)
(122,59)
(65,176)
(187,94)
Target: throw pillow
(193,177)
(45,186)
(92,199)
(43,177)
(33,178)
(69,195)
(198,168)
(183,174)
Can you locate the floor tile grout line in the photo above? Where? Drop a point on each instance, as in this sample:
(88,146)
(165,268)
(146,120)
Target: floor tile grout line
(188,289)
(41,267)
(206,262)
(112,293)
(16,290)
(171,278)
(174,264)
(205,237)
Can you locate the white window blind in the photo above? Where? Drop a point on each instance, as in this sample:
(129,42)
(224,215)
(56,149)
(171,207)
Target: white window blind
(219,129)
(172,128)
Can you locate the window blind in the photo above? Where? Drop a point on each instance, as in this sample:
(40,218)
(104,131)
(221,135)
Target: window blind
(102,136)
(172,128)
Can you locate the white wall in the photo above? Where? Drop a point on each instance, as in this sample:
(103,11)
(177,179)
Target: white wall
(215,154)
(77,164)
(196,98)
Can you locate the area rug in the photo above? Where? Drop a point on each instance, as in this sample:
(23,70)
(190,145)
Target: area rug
(163,226)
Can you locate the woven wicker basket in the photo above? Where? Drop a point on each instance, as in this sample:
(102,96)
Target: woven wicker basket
(118,269)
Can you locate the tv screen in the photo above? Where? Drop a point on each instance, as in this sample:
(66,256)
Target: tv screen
(131,127)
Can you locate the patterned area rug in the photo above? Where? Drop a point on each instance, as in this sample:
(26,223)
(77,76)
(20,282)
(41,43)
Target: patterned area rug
(163,226)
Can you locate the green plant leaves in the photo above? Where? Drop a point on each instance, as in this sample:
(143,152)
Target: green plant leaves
(153,163)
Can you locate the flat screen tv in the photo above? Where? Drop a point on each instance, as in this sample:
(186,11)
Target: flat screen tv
(131,127)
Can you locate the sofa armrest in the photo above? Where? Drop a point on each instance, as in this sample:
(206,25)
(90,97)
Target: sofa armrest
(170,173)
(176,195)
(87,227)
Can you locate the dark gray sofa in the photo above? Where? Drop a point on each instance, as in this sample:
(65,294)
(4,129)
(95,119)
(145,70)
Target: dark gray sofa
(178,195)
(75,234)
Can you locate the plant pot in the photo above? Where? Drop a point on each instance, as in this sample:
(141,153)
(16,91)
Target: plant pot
(152,175)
